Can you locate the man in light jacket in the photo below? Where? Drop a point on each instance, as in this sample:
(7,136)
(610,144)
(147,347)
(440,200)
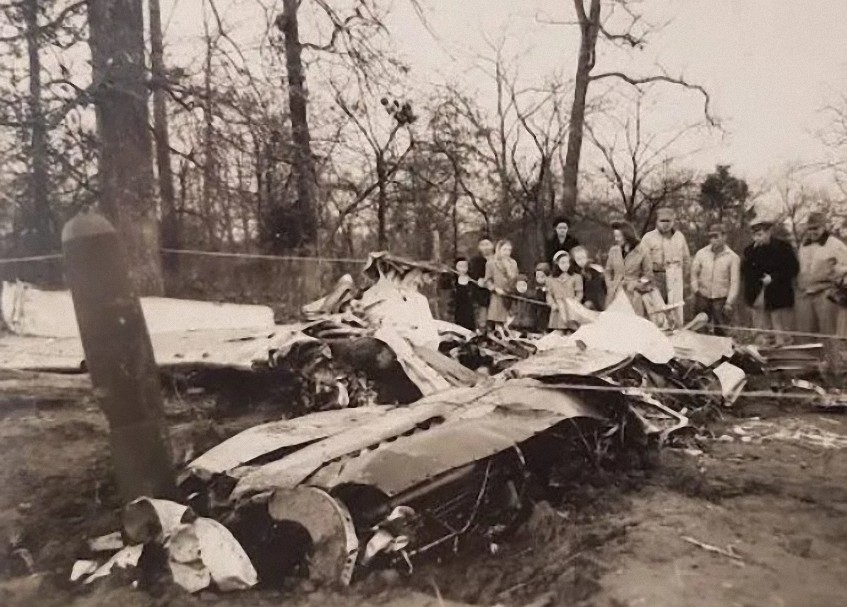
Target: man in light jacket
(716,279)
(668,250)
(821,254)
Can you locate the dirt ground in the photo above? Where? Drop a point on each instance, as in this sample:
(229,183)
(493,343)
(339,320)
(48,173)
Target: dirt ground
(756,517)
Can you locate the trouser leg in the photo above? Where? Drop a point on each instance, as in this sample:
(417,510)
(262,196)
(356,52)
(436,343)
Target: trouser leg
(782,320)
(762,320)
(481,318)
(661,281)
(718,315)
(805,314)
(701,306)
(826,313)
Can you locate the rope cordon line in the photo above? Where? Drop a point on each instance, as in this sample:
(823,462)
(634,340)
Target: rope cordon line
(234,255)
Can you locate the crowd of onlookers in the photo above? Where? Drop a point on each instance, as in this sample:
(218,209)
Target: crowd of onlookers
(785,289)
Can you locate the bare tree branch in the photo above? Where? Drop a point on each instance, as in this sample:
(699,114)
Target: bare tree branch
(51,25)
(638,82)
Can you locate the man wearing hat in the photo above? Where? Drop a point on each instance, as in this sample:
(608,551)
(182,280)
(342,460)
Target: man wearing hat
(668,250)
(716,279)
(768,269)
(821,254)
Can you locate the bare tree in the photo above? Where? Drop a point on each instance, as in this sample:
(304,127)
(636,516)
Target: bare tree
(349,38)
(126,162)
(161,134)
(381,141)
(34,113)
(43,234)
(305,215)
(521,141)
(795,197)
(641,164)
(593,22)
(834,137)
(457,139)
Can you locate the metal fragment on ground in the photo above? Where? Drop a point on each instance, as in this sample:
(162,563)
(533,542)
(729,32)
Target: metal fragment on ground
(111,542)
(147,520)
(704,349)
(126,557)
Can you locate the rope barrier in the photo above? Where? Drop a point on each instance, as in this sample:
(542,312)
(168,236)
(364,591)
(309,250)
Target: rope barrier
(778,332)
(30,258)
(232,255)
(200,253)
(688,392)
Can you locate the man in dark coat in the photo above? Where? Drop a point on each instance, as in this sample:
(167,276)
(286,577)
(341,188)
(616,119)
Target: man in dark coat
(476,271)
(769,267)
(561,240)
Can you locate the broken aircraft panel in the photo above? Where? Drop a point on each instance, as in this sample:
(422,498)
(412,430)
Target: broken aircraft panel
(28,310)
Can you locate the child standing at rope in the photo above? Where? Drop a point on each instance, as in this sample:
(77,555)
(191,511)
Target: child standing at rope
(539,294)
(559,290)
(463,295)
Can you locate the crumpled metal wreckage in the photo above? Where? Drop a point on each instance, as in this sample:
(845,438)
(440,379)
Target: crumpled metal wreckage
(338,493)
(333,494)
(348,490)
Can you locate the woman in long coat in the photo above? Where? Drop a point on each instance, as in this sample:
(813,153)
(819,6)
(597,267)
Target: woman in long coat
(501,275)
(560,289)
(628,268)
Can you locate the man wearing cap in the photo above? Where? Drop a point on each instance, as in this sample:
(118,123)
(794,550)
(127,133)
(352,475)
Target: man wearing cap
(821,254)
(768,269)
(561,240)
(668,250)
(716,279)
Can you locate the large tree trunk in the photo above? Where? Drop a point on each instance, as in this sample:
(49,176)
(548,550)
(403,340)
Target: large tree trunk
(116,39)
(589,28)
(38,229)
(170,225)
(305,219)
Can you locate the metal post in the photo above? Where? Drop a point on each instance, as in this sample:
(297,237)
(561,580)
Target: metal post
(119,356)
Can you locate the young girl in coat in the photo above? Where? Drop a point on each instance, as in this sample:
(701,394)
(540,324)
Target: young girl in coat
(561,288)
(501,274)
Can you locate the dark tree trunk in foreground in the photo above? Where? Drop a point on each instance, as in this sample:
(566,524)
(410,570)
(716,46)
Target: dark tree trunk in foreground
(589,25)
(126,165)
(170,224)
(304,224)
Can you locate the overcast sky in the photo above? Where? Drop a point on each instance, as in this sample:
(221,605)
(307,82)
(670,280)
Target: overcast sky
(770,65)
